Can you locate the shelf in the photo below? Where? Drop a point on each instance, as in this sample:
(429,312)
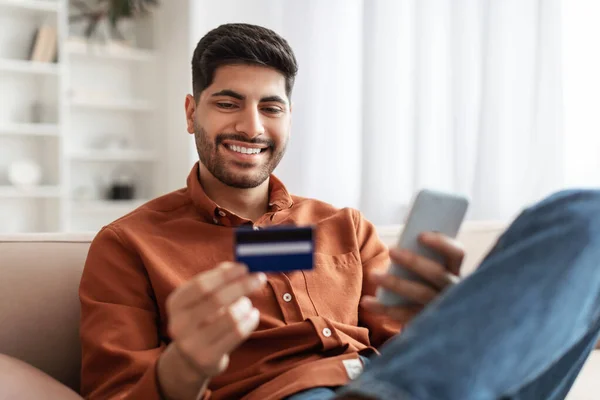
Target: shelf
(106,206)
(32,5)
(34,192)
(28,67)
(113,155)
(109,52)
(113,104)
(25,129)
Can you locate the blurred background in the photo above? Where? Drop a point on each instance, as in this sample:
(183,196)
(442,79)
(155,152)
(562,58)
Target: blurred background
(496,99)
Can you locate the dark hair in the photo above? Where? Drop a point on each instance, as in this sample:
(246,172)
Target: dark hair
(241,44)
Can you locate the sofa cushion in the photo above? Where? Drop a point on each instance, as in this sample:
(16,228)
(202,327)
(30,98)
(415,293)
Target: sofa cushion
(20,380)
(39,311)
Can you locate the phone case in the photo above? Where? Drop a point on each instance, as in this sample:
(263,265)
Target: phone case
(431,211)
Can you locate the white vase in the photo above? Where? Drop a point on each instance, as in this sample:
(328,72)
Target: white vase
(25,174)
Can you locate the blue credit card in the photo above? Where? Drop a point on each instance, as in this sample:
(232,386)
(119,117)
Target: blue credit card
(275,249)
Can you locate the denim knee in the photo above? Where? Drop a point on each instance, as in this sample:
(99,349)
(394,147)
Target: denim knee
(567,205)
(578,200)
(573,212)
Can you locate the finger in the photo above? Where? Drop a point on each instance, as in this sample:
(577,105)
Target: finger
(203,284)
(227,343)
(230,293)
(452,249)
(220,321)
(412,290)
(224,321)
(207,348)
(398,313)
(197,343)
(213,306)
(423,267)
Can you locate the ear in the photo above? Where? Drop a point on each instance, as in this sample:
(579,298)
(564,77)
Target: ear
(291,117)
(190,113)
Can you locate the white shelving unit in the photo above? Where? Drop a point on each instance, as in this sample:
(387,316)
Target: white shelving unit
(34,192)
(108,53)
(113,155)
(52,6)
(29,129)
(105,207)
(28,67)
(113,104)
(96,94)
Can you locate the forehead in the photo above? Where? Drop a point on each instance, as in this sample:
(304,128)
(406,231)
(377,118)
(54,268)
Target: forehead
(248,80)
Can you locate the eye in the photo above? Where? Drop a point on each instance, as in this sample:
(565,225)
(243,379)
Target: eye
(226,105)
(272,110)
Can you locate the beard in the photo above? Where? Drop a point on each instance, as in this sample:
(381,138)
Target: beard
(253,174)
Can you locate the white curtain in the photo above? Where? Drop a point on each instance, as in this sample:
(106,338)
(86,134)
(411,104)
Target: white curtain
(581,65)
(397,95)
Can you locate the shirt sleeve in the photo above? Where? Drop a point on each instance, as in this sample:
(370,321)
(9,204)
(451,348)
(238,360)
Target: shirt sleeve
(374,256)
(119,323)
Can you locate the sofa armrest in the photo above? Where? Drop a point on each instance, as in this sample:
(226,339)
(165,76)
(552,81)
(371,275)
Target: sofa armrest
(19,380)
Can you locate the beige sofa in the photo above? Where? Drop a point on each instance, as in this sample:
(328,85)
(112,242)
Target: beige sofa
(39,312)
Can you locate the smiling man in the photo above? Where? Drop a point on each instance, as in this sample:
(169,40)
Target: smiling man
(166,314)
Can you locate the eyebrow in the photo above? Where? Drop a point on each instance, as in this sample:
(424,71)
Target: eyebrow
(239,96)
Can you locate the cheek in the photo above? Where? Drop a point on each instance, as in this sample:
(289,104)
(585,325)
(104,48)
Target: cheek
(279,131)
(214,122)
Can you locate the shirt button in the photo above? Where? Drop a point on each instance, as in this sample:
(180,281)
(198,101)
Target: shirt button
(326,332)
(287,297)
(222,213)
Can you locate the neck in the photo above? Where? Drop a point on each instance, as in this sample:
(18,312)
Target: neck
(247,203)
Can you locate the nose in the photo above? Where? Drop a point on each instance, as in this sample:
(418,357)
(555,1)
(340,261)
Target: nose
(250,123)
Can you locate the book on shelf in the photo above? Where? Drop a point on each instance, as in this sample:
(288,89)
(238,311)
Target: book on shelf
(45,44)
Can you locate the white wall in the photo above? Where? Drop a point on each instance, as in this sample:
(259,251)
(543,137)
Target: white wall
(582,91)
(175,47)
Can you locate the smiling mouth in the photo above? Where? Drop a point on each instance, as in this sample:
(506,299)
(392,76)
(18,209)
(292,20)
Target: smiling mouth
(246,150)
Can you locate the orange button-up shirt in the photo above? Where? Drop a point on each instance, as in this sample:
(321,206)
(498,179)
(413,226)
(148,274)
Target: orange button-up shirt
(310,321)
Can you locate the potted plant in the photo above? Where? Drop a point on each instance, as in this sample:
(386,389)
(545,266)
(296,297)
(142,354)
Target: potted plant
(109,16)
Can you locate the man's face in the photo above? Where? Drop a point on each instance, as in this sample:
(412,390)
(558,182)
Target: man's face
(241,124)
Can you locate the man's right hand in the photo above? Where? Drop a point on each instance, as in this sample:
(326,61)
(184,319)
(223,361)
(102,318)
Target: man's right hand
(209,316)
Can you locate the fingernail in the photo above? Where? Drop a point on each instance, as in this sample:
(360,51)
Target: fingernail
(428,235)
(241,308)
(259,280)
(251,322)
(367,302)
(377,274)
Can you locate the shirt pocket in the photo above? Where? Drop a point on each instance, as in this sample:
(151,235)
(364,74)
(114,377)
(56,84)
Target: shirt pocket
(336,260)
(335,286)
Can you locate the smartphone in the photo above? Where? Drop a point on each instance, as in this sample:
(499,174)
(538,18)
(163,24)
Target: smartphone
(275,249)
(431,211)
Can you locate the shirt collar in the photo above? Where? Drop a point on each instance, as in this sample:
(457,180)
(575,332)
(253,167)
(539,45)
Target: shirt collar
(279,197)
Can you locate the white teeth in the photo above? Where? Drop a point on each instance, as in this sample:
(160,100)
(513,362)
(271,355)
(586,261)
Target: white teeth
(244,150)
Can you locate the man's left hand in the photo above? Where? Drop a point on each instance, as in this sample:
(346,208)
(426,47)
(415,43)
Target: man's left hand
(437,276)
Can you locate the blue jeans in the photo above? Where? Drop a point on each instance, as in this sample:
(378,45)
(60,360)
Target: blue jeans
(520,327)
